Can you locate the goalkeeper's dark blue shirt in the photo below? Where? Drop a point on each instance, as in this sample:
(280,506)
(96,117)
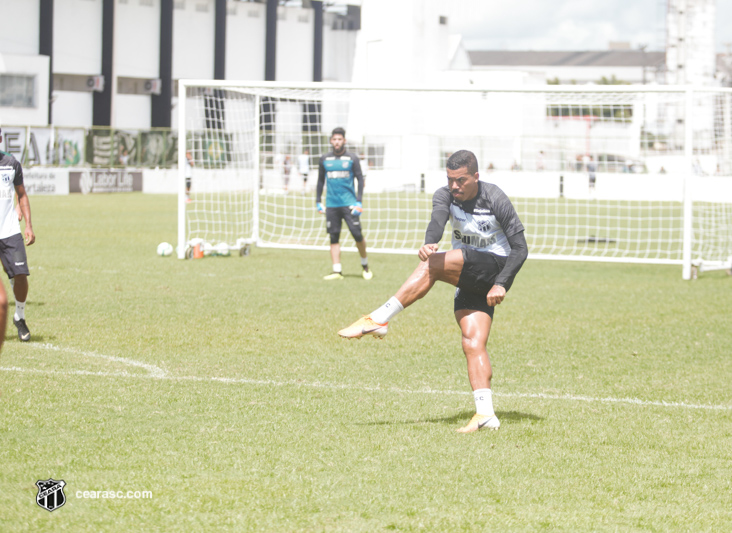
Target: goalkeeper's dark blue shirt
(339,171)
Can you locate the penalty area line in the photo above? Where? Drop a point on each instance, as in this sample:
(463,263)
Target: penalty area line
(365,388)
(155,371)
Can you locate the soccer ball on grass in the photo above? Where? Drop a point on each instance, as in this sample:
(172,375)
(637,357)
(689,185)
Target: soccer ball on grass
(222,249)
(165,249)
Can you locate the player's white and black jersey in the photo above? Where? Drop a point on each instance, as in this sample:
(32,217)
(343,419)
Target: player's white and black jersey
(11,174)
(483,223)
(487,223)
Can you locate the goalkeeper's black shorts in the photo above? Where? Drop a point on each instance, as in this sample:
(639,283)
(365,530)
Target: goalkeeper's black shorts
(333,218)
(478,276)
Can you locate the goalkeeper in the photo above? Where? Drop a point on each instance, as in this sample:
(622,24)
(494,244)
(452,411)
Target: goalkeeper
(339,168)
(489,249)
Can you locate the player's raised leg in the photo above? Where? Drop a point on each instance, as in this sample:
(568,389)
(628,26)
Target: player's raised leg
(475,327)
(445,267)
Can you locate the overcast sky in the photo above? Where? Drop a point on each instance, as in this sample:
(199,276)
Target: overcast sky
(569,24)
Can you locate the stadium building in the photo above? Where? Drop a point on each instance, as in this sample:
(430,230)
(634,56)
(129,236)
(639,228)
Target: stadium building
(116,62)
(619,64)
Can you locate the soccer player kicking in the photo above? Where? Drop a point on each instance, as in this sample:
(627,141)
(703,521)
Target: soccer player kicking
(489,249)
(339,168)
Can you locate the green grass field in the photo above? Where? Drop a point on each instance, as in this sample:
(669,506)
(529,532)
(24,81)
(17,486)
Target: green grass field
(220,385)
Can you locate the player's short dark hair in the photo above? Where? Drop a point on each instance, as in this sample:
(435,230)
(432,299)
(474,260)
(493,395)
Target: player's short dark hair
(463,158)
(338,131)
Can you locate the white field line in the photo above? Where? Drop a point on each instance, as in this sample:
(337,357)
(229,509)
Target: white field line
(155,372)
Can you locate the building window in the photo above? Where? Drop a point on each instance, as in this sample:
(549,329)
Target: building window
(375,156)
(621,113)
(443,21)
(17,91)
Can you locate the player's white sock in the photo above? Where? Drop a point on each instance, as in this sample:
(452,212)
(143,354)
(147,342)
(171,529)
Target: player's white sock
(19,310)
(364,261)
(337,267)
(387,311)
(484,401)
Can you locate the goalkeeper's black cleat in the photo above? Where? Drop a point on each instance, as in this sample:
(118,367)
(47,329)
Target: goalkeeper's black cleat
(23,331)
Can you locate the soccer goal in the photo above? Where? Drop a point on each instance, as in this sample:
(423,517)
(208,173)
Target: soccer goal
(597,173)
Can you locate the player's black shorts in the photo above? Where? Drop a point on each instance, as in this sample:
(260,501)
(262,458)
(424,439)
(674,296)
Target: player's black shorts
(188,183)
(12,255)
(333,218)
(480,270)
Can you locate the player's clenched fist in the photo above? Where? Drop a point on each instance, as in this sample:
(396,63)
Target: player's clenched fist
(427,250)
(495,295)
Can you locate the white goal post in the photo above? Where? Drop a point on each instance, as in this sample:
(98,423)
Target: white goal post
(597,173)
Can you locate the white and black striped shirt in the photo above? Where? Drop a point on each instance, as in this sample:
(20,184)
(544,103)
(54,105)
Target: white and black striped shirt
(487,223)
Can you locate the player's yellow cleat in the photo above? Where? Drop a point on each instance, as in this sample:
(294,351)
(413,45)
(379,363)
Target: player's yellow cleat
(367,274)
(481,422)
(364,326)
(332,276)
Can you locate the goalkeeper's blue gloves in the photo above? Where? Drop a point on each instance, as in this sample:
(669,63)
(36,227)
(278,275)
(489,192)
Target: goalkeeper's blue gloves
(320,207)
(356,209)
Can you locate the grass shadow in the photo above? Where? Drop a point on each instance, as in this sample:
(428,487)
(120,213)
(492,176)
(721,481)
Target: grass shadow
(464,416)
(13,335)
(29,303)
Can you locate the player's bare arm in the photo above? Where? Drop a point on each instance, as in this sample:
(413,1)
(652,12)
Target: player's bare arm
(24,204)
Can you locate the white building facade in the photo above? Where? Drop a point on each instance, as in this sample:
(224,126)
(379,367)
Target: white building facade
(78,46)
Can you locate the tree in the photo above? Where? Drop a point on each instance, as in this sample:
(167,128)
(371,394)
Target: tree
(612,81)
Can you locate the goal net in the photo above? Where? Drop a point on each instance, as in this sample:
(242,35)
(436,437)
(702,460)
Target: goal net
(614,173)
